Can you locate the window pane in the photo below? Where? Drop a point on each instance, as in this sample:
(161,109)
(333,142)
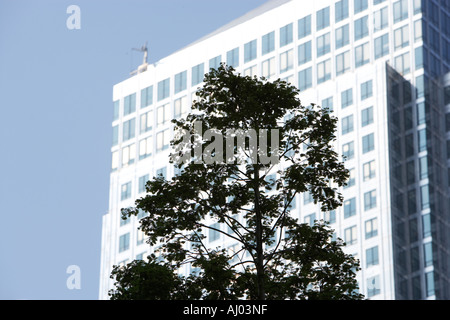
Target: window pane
(361,28)
(305,79)
(323,44)
(362,55)
(268,42)
(381,46)
(341,10)
(323,71)
(304,27)
(304,53)
(180,81)
(342,36)
(250,51)
(286,36)
(233,58)
(323,18)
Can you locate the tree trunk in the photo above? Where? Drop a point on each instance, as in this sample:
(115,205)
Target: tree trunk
(259,240)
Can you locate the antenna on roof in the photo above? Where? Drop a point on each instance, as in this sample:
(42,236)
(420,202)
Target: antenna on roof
(143,66)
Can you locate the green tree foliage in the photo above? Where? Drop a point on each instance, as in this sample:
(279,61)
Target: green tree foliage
(245,199)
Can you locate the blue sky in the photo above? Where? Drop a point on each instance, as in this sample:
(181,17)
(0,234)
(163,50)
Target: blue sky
(55,132)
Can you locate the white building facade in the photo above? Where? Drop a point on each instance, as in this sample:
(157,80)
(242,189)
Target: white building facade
(356,57)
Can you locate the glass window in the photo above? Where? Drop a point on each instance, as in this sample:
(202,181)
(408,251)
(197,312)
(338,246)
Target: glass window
(370,200)
(162,172)
(233,58)
(305,79)
(128,155)
(328,103)
(116,108)
(428,254)
(429,281)
(368,143)
(426,225)
(366,116)
(163,114)
(114,160)
(128,130)
(350,236)
(125,191)
(369,170)
(373,286)
(197,74)
(402,63)
(268,42)
(351,178)
(214,234)
(162,140)
(146,122)
(180,81)
(400,10)
(286,60)
(361,28)
(124,242)
(142,181)
(342,63)
(286,35)
(372,256)
(381,46)
(304,53)
(380,19)
(310,219)
(268,68)
(346,98)
(425,197)
(418,56)
(304,27)
(330,216)
(422,140)
(417,30)
(214,63)
(349,208)
(347,124)
(371,228)
(145,147)
(180,107)
(324,71)
(401,37)
(250,51)
(362,55)
(423,167)
(146,96)
(322,18)
(323,44)
(341,10)
(342,36)
(129,104)
(250,71)
(366,90)
(163,89)
(360,5)
(115,135)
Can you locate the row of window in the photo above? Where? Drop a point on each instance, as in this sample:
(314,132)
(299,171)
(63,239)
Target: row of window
(163,87)
(126,188)
(148,119)
(368,144)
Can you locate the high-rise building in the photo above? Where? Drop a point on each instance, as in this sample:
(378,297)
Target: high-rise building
(380,65)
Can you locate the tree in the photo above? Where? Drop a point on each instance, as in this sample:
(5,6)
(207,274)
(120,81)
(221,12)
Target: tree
(232,183)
